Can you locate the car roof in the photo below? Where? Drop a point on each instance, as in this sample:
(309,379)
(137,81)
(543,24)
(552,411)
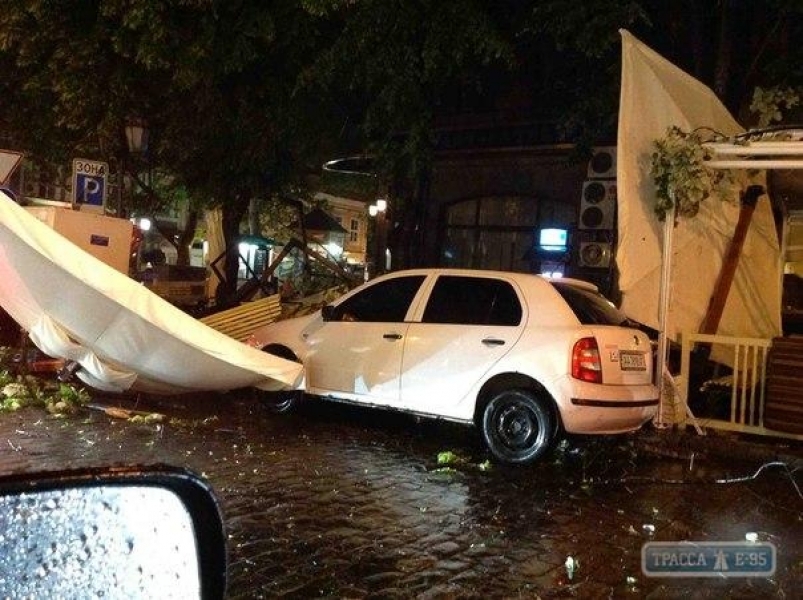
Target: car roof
(579,283)
(514,275)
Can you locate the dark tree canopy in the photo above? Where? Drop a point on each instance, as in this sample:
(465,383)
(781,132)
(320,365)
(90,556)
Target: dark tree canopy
(246,97)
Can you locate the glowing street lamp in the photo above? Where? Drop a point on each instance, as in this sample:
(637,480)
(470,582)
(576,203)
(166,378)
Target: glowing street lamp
(136,136)
(381,256)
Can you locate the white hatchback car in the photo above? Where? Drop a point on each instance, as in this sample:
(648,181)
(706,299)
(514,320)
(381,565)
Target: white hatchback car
(516,355)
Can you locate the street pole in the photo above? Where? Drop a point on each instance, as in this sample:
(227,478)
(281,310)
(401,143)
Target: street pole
(377,211)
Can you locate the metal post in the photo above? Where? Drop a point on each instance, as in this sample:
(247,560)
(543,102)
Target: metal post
(662,369)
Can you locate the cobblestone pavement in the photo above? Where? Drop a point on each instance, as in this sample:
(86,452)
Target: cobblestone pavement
(338,502)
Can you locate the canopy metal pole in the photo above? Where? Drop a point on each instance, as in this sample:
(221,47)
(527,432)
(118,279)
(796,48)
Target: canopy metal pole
(758,164)
(756,155)
(662,366)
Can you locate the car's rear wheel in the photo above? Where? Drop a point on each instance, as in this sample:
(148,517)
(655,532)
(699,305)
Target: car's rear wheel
(283,401)
(517,426)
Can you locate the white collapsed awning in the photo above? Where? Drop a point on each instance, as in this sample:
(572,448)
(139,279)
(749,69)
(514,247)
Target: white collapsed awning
(124,336)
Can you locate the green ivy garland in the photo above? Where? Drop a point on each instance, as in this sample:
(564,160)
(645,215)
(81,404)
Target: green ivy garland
(681,177)
(678,167)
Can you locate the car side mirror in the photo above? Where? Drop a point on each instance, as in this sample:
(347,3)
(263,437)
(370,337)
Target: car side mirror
(328,312)
(135,533)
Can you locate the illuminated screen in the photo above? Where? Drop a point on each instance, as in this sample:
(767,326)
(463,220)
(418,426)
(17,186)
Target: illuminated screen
(552,240)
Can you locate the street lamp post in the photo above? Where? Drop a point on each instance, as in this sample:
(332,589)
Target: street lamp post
(137,136)
(378,210)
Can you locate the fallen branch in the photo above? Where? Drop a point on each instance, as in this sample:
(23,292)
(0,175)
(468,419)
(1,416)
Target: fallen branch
(727,480)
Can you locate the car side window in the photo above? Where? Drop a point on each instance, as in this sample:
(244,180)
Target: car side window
(384,302)
(473,301)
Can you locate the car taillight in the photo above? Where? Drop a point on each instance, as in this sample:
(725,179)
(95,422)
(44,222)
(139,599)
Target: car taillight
(586,364)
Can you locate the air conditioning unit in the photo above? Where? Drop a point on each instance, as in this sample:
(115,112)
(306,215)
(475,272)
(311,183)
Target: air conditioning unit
(602,164)
(598,205)
(595,254)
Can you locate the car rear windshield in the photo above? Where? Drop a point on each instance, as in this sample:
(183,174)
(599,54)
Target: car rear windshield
(590,307)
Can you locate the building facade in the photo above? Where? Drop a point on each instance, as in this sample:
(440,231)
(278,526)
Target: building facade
(351,215)
(517,204)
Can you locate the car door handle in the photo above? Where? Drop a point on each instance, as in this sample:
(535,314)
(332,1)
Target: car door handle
(392,336)
(493,342)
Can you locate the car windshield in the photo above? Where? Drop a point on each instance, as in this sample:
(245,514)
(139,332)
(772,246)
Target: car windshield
(590,307)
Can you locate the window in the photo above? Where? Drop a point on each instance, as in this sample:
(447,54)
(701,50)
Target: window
(385,302)
(498,232)
(591,308)
(473,301)
(354,231)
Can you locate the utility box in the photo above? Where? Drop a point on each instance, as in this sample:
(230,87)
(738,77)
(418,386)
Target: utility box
(105,238)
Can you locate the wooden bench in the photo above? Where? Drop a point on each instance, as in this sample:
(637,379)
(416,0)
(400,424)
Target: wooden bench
(239,322)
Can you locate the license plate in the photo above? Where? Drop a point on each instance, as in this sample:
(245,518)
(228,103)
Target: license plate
(632,361)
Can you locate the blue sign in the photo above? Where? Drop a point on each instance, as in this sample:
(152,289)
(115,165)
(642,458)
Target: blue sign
(708,559)
(89,182)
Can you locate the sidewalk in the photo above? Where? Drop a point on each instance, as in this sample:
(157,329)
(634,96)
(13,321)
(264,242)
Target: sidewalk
(682,443)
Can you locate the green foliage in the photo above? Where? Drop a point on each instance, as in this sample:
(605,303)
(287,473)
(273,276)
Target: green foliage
(448,457)
(590,27)
(214,79)
(682,179)
(363,186)
(148,418)
(767,103)
(397,61)
(23,391)
(245,98)
(448,460)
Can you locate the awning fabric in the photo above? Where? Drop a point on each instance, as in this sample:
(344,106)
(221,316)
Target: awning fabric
(655,94)
(76,307)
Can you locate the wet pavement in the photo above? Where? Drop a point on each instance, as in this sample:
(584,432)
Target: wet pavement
(338,502)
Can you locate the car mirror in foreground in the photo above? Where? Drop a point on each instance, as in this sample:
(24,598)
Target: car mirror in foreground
(328,312)
(153,532)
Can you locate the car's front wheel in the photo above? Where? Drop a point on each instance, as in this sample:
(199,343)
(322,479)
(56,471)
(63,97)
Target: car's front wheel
(517,426)
(283,401)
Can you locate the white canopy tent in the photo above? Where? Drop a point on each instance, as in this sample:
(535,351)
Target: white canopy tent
(654,96)
(668,270)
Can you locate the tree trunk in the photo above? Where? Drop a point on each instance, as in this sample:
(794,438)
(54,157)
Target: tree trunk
(185,239)
(253,217)
(233,213)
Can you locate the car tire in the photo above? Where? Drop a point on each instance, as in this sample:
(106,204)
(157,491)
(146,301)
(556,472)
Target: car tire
(284,401)
(518,427)
(279,402)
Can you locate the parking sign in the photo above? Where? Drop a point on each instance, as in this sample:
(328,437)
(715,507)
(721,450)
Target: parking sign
(89,183)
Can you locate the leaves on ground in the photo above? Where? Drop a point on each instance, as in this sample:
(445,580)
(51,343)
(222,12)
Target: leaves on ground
(22,391)
(448,460)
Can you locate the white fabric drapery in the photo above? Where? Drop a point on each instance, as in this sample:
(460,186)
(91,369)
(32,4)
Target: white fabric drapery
(123,335)
(655,94)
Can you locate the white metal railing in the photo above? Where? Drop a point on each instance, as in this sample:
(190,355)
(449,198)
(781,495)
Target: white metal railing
(748,359)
